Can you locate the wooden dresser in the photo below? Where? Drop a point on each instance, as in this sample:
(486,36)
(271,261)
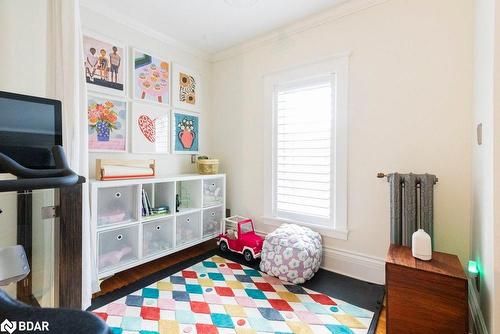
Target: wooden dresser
(425,296)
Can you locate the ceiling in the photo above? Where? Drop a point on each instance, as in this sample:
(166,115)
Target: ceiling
(212,25)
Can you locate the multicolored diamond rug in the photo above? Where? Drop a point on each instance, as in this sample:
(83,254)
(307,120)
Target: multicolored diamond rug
(221,296)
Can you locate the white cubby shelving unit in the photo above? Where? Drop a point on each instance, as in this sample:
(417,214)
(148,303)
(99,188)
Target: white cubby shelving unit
(125,238)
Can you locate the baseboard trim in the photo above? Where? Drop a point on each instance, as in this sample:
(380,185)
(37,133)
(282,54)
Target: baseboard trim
(357,265)
(476,315)
(361,266)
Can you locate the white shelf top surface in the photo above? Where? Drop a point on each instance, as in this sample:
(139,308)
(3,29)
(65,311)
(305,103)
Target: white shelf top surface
(159,179)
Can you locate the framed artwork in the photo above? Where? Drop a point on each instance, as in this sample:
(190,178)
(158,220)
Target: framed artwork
(185,132)
(150,128)
(186,88)
(151,78)
(107,123)
(105,65)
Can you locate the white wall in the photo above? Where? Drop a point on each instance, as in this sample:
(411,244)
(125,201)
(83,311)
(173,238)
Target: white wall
(485,233)
(24,69)
(23,36)
(483,204)
(130,35)
(495,311)
(410,100)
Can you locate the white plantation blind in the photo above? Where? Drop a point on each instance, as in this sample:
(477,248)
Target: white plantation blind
(303,151)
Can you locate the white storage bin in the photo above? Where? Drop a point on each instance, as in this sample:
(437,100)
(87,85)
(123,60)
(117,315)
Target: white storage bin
(117,247)
(213,192)
(187,228)
(116,205)
(212,220)
(158,236)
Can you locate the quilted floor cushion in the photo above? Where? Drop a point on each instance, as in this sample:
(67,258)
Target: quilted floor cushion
(292,253)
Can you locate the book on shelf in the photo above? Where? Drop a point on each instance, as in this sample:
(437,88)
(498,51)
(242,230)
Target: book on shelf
(149,210)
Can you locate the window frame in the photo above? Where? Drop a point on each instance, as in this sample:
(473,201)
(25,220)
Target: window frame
(336,68)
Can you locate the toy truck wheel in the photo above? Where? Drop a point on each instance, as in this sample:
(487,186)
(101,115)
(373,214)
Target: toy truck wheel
(248,255)
(223,246)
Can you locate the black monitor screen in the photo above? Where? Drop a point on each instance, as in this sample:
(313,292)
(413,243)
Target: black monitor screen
(29,128)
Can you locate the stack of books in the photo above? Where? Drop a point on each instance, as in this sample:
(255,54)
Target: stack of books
(149,210)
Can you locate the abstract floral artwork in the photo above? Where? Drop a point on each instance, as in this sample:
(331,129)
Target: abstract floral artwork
(149,128)
(151,78)
(185,130)
(105,65)
(107,124)
(186,88)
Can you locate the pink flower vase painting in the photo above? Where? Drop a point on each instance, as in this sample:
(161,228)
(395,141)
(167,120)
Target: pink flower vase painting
(107,123)
(186,133)
(187,136)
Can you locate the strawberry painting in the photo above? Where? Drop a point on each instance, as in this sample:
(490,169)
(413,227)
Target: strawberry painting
(147,127)
(150,128)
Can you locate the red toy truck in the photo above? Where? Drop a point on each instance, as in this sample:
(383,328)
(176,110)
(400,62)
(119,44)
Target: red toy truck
(239,237)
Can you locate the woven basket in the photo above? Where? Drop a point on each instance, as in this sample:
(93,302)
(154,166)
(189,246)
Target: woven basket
(208,166)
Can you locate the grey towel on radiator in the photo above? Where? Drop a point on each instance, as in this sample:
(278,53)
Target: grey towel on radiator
(396,204)
(405,212)
(427,182)
(410,207)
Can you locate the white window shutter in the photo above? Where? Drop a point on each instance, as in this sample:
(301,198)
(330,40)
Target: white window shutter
(303,146)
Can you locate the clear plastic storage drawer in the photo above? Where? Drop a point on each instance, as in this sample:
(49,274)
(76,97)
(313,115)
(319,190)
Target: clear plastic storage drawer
(117,247)
(158,236)
(187,228)
(213,192)
(116,205)
(212,220)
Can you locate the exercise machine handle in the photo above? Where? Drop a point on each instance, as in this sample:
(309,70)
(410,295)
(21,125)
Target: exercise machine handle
(31,179)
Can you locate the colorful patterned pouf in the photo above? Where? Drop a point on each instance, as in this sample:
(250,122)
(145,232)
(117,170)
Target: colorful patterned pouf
(292,253)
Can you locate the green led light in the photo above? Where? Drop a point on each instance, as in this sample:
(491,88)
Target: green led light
(473,267)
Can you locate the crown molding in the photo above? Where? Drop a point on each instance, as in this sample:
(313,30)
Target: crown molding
(335,13)
(132,23)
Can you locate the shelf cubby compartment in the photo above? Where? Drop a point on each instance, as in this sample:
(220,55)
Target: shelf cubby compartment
(189,192)
(212,220)
(117,247)
(213,192)
(116,205)
(158,236)
(187,228)
(159,194)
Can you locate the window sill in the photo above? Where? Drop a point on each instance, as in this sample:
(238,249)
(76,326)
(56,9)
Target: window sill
(332,233)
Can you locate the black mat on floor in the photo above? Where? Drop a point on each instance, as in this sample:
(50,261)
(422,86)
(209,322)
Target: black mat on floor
(363,294)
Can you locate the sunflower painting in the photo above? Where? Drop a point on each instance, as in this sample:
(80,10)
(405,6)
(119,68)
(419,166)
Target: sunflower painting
(186,88)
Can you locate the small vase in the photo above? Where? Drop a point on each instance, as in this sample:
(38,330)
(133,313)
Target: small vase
(103,131)
(421,245)
(187,138)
